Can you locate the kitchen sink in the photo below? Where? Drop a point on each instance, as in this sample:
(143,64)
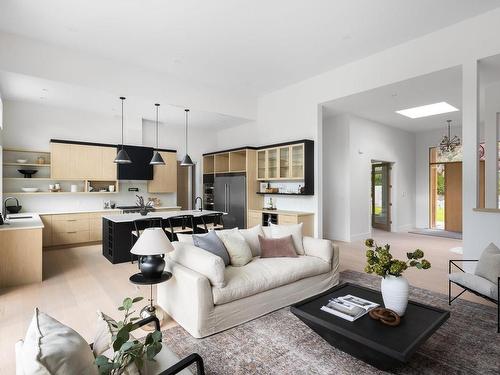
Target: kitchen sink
(19,217)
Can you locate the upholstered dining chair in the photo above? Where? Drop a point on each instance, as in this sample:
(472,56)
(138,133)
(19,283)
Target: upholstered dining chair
(484,282)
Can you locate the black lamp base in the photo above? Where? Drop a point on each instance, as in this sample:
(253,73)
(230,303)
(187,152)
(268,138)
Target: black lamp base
(152,266)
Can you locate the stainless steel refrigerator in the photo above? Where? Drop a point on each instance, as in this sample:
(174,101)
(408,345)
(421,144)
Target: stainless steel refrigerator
(230,197)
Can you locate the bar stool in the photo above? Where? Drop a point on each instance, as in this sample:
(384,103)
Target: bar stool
(139,226)
(179,224)
(212,221)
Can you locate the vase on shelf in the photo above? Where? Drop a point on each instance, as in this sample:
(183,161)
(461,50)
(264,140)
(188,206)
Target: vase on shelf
(395,291)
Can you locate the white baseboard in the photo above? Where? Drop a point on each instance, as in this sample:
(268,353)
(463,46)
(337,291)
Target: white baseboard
(360,236)
(405,228)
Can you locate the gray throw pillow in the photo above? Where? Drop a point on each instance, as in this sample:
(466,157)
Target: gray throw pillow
(211,243)
(488,266)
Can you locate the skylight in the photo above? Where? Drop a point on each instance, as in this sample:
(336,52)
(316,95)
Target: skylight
(428,110)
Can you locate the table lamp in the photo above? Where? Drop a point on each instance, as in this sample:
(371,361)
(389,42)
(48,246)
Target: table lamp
(150,247)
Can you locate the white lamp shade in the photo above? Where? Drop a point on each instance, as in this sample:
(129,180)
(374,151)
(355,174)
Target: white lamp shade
(152,241)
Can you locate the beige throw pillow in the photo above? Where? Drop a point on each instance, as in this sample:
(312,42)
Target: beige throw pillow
(238,249)
(51,348)
(251,235)
(295,230)
(488,266)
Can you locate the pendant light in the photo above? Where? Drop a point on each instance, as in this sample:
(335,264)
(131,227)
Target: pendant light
(186,161)
(448,143)
(122,156)
(157,159)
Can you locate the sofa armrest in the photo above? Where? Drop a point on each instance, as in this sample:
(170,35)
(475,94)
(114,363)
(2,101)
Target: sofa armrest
(209,265)
(186,297)
(319,248)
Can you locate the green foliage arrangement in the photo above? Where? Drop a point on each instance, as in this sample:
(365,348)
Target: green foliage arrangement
(380,261)
(127,351)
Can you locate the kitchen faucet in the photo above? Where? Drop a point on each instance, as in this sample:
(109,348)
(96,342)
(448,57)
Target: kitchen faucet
(5,204)
(196,200)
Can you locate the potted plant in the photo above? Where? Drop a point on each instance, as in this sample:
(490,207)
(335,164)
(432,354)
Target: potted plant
(394,286)
(127,349)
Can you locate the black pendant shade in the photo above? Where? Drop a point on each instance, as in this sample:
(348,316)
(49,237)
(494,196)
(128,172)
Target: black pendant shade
(186,160)
(157,159)
(122,156)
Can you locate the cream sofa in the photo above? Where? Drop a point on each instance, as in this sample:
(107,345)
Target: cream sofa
(205,297)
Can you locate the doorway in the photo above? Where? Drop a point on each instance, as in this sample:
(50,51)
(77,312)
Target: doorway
(381,196)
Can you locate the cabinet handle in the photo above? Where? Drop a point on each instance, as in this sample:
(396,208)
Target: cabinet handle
(71,232)
(71,220)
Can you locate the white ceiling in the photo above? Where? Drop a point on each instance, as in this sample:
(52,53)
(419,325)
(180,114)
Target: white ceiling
(380,104)
(237,45)
(19,87)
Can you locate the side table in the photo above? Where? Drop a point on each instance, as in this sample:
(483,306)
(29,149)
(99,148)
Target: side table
(150,309)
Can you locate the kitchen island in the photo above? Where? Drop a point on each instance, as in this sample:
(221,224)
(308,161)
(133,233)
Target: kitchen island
(117,231)
(21,250)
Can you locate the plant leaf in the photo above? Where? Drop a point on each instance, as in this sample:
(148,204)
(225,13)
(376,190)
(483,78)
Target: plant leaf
(127,303)
(137,299)
(156,336)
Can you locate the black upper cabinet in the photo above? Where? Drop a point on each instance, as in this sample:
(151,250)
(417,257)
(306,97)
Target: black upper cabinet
(139,169)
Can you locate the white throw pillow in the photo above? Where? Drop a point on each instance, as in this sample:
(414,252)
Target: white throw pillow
(238,249)
(295,230)
(488,266)
(251,236)
(186,238)
(51,348)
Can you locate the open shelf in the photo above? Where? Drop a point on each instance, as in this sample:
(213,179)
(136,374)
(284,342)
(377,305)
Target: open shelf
(221,163)
(59,193)
(281,193)
(26,165)
(208,164)
(237,161)
(42,179)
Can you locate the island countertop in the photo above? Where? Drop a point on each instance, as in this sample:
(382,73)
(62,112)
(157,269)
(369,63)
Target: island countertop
(127,218)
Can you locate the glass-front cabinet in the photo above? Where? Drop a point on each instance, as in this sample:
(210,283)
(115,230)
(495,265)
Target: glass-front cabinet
(284,162)
(297,161)
(272,163)
(261,165)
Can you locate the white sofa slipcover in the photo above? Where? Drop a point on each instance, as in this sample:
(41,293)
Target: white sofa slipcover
(250,291)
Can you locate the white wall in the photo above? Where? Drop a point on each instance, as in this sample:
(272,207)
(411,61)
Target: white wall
(353,143)
(31,126)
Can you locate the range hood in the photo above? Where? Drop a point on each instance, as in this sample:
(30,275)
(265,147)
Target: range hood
(139,169)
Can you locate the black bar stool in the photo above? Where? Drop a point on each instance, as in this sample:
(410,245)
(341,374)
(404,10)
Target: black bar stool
(212,221)
(179,224)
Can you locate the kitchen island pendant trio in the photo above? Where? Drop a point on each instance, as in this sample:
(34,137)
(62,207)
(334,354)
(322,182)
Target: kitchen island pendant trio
(186,160)
(157,159)
(122,156)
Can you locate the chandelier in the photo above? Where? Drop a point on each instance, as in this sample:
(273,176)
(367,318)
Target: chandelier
(449,143)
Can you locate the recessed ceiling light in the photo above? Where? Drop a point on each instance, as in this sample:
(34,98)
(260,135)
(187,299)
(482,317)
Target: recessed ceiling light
(45,90)
(428,110)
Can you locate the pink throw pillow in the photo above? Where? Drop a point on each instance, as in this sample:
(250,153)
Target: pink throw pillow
(277,247)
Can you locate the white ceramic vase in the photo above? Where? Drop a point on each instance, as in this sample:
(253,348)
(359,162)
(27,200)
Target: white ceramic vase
(395,292)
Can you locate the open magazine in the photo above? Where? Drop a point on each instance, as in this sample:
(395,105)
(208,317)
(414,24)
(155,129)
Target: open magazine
(349,307)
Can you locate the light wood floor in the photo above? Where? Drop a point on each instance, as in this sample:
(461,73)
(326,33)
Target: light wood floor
(78,281)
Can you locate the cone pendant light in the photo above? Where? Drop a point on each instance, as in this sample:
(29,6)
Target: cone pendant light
(157,159)
(186,161)
(122,156)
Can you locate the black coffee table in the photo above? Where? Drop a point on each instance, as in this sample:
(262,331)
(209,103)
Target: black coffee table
(369,340)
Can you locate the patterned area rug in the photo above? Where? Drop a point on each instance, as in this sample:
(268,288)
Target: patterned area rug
(279,343)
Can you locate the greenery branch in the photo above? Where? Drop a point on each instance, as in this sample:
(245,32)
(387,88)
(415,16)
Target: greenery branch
(381,262)
(127,351)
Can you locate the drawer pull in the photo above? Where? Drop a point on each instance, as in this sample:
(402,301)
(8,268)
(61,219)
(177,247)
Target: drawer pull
(71,220)
(71,232)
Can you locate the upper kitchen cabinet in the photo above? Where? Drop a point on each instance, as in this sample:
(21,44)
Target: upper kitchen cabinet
(82,161)
(288,162)
(164,176)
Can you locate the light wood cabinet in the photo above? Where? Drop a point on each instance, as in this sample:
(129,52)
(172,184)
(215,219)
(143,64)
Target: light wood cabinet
(282,163)
(297,161)
(261,165)
(164,176)
(285,218)
(254,218)
(47,230)
(76,161)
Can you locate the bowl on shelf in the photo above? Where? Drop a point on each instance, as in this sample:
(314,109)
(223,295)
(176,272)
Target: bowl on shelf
(22,161)
(14,209)
(29,189)
(27,172)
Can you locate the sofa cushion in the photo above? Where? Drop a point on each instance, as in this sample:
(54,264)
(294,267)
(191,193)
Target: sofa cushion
(51,348)
(476,283)
(186,238)
(238,249)
(295,230)
(251,235)
(262,274)
(213,244)
(488,266)
(277,247)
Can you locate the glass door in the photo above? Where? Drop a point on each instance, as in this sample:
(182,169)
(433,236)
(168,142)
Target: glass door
(297,161)
(261,165)
(381,196)
(284,162)
(272,163)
